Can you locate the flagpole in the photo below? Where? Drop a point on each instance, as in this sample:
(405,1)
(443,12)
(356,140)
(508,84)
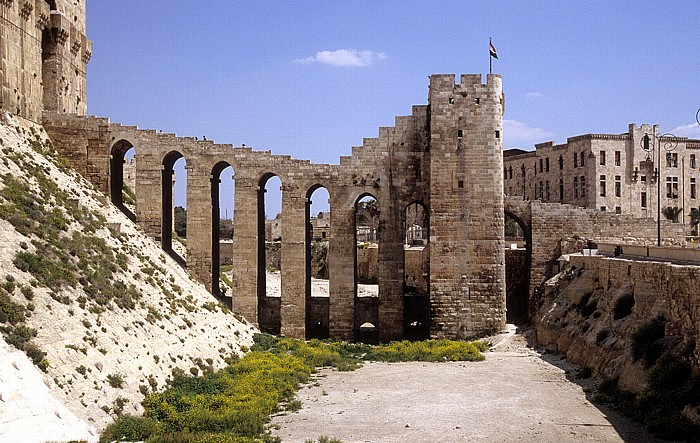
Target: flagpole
(490,58)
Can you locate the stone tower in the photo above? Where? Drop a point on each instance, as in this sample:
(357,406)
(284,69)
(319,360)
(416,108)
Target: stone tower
(43,57)
(467,273)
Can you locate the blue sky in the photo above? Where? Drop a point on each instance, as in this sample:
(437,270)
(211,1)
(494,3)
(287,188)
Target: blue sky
(312,78)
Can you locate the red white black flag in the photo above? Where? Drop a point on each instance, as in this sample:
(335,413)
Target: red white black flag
(492,50)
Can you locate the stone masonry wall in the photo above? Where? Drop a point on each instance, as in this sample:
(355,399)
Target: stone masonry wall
(398,168)
(43,57)
(466,223)
(602,341)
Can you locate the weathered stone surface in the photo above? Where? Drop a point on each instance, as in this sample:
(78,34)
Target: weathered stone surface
(43,57)
(445,156)
(581,314)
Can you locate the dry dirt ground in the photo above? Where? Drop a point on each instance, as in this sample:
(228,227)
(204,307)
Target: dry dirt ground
(515,395)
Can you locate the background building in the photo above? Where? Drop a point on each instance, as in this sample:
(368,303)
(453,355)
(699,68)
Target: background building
(610,172)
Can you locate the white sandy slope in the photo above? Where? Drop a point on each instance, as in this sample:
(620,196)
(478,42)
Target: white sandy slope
(126,342)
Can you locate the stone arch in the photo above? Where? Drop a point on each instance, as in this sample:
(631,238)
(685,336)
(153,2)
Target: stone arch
(518,271)
(317,308)
(216,225)
(366,307)
(116,175)
(416,275)
(167,207)
(269,308)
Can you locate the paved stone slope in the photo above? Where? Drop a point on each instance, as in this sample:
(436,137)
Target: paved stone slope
(94,349)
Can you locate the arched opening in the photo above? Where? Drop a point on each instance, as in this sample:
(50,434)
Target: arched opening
(49,68)
(269,253)
(518,256)
(416,263)
(318,228)
(222,199)
(174,204)
(367,269)
(122,177)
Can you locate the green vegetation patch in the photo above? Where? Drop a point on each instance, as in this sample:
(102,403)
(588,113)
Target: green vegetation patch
(428,350)
(234,404)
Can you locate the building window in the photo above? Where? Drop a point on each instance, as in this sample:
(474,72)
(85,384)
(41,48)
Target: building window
(618,210)
(618,186)
(541,162)
(583,186)
(671,187)
(546,164)
(671,160)
(575,187)
(541,190)
(561,162)
(692,188)
(575,160)
(603,209)
(644,199)
(510,172)
(547,189)
(643,178)
(602,158)
(693,165)
(535,167)
(460,133)
(602,186)
(561,188)
(617,158)
(582,157)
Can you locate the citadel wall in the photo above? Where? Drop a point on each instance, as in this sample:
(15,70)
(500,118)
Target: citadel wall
(445,156)
(43,57)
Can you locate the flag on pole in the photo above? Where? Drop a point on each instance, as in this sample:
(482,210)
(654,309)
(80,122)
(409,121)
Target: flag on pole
(492,50)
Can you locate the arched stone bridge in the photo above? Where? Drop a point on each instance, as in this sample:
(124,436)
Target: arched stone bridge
(445,156)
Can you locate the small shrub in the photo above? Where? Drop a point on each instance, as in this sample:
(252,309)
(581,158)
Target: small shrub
(129,428)
(118,405)
(82,370)
(601,336)
(583,373)
(116,380)
(645,340)
(623,307)
(293,406)
(34,353)
(28,292)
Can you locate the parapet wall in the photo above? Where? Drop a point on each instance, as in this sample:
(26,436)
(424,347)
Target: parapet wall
(649,290)
(554,225)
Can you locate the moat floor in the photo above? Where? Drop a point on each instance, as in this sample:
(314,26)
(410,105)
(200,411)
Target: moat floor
(516,395)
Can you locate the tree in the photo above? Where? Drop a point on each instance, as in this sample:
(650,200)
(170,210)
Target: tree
(226,229)
(671,213)
(694,220)
(180,221)
(512,229)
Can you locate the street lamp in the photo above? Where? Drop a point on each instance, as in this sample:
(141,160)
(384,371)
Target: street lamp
(657,143)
